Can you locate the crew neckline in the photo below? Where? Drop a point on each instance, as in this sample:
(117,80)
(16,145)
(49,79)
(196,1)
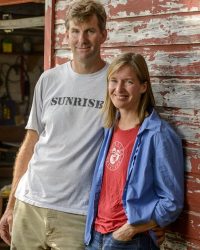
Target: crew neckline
(86,75)
(128,130)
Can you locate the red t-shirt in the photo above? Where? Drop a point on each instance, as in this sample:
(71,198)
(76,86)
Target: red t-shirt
(111,214)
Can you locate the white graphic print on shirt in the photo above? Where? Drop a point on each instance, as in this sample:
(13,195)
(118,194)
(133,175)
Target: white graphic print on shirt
(115,157)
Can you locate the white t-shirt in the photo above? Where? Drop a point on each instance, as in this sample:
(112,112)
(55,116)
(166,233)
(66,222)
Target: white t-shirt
(66,114)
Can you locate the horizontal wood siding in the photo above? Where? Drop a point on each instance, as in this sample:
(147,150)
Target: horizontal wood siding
(167,33)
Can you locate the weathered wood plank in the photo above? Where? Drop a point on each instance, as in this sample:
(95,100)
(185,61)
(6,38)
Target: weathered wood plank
(192,158)
(188,225)
(62,56)
(177,95)
(174,241)
(169,61)
(60,36)
(192,193)
(60,10)
(176,29)
(173,29)
(182,60)
(181,94)
(190,113)
(130,8)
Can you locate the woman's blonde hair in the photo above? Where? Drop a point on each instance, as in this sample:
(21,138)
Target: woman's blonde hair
(139,65)
(81,10)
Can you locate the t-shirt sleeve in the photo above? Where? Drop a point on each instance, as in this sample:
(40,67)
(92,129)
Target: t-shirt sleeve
(35,116)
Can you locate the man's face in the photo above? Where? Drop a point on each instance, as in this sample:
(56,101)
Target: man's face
(85,39)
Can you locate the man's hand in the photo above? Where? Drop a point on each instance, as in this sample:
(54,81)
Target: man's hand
(160,234)
(6,226)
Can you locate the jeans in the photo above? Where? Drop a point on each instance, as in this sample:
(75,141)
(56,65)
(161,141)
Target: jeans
(107,242)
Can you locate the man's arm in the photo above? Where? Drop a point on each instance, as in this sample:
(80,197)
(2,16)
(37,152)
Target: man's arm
(21,164)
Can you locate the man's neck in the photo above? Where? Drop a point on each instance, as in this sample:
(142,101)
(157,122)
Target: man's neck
(87,68)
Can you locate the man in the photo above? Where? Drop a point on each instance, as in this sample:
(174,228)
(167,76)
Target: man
(54,166)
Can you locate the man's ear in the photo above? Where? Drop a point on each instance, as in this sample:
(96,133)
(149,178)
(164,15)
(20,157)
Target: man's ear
(104,35)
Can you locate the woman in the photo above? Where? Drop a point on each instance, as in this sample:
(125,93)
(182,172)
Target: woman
(138,180)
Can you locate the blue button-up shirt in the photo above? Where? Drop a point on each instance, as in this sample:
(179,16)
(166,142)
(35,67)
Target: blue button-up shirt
(154,188)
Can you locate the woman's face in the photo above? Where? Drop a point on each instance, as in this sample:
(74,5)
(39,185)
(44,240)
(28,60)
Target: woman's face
(125,89)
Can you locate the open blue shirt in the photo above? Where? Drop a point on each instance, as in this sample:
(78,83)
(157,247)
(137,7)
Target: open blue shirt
(154,188)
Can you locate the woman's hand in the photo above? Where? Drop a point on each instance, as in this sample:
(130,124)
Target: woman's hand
(127,231)
(124,233)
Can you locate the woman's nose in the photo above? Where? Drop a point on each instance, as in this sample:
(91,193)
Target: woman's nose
(119,86)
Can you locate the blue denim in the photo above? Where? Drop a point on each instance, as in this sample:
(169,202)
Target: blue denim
(107,242)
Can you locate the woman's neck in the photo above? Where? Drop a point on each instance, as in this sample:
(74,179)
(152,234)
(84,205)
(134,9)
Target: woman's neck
(128,120)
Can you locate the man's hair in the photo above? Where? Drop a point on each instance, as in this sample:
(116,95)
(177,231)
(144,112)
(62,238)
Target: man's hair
(81,10)
(139,65)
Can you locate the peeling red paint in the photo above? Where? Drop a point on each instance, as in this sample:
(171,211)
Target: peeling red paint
(167,33)
(192,199)
(154,7)
(193,160)
(176,29)
(187,224)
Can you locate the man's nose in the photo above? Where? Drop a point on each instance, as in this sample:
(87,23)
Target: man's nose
(82,37)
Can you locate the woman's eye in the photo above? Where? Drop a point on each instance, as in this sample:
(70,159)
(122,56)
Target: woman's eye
(112,81)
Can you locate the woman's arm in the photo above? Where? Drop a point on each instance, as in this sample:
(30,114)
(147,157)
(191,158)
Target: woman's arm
(168,178)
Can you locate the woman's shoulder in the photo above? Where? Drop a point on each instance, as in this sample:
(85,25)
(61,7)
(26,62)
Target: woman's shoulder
(161,128)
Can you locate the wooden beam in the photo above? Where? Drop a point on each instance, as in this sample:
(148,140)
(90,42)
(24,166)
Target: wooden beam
(49,41)
(29,22)
(11,2)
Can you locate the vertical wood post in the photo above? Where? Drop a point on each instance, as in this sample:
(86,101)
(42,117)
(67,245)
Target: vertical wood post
(49,34)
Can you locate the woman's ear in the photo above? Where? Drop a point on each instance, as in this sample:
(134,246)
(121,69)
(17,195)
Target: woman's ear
(143,87)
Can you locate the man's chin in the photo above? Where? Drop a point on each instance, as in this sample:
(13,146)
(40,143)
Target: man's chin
(85,58)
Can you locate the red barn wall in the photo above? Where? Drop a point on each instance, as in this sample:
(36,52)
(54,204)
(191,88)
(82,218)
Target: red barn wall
(167,33)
